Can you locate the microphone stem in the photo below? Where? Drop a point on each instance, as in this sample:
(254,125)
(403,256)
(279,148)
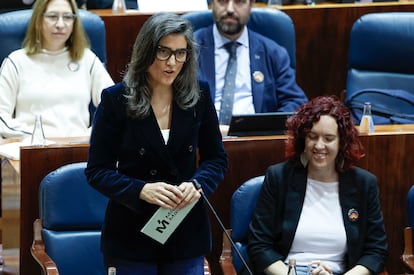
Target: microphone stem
(226,233)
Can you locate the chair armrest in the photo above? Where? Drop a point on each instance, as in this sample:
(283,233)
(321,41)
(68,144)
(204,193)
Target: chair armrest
(38,250)
(407,257)
(207,270)
(226,257)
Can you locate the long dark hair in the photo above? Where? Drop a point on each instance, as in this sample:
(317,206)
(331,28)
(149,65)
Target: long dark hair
(185,87)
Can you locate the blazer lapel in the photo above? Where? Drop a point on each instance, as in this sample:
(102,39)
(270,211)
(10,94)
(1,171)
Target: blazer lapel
(348,198)
(148,128)
(257,63)
(179,133)
(295,195)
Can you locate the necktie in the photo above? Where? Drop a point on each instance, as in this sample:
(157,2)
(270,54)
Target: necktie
(226,107)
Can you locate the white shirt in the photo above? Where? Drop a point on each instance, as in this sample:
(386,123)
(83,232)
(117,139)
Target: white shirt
(320,234)
(49,84)
(243,99)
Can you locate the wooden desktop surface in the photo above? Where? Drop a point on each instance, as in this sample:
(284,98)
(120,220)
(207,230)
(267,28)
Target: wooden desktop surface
(386,157)
(322,39)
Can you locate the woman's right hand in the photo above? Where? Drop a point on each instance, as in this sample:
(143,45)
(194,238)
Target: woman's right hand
(161,194)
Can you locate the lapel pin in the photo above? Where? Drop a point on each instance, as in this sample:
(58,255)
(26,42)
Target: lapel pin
(353,215)
(258,76)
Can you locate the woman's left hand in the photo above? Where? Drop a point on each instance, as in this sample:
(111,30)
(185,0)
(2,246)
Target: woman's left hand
(190,194)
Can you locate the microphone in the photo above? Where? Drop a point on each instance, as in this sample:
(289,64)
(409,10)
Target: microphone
(197,185)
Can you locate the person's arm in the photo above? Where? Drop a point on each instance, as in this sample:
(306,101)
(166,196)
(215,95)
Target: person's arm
(105,146)
(289,95)
(100,78)
(277,268)
(9,84)
(358,270)
(212,157)
(266,226)
(374,246)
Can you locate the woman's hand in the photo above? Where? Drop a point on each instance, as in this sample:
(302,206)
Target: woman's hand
(320,269)
(190,194)
(162,194)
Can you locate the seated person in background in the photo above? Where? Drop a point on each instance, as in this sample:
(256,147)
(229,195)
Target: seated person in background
(55,75)
(317,207)
(264,80)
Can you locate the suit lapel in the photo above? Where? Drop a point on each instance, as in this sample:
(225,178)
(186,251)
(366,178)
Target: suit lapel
(148,129)
(179,131)
(257,63)
(295,195)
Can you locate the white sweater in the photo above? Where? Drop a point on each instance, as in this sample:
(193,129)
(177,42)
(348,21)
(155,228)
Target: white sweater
(51,85)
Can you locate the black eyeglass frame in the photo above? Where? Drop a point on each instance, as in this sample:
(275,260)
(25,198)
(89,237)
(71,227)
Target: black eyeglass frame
(54,17)
(170,53)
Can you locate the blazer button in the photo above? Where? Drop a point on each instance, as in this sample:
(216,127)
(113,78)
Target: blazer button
(190,148)
(153,172)
(141,151)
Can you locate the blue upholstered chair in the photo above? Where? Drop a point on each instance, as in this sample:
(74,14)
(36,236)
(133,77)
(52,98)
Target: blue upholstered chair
(272,23)
(67,234)
(408,256)
(381,53)
(243,204)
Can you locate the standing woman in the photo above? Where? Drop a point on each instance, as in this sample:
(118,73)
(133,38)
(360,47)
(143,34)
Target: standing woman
(55,75)
(147,135)
(318,208)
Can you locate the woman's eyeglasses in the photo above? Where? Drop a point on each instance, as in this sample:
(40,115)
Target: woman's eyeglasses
(53,17)
(164,53)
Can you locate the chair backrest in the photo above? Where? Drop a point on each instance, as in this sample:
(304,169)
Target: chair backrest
(243,204)
(410,206)
(72,214)
(13,27)
(381,52)
(272,23)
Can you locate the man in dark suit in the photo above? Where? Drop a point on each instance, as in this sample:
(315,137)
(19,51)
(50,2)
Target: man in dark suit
(265,81)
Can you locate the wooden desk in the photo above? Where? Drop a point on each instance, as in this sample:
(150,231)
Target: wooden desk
(322,39)
(386,157)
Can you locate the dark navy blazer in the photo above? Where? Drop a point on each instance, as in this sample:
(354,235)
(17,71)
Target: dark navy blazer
(280,204)
(278,92)
(126,153)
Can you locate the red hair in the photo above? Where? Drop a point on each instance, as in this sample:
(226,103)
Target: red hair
(300,124)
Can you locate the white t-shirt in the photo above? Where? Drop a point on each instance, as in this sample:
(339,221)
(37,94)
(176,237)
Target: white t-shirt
(320,234)
(49,84)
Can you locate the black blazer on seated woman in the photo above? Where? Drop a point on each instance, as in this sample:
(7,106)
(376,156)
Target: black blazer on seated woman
(127,153)
(273,228)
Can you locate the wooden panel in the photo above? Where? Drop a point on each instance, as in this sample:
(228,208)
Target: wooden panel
(386,157)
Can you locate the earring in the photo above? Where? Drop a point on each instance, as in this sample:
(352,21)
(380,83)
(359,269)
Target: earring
(303,159)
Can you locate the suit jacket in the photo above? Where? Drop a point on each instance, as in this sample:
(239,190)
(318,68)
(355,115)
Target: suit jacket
(125,154)
(280,204)
(277,92)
